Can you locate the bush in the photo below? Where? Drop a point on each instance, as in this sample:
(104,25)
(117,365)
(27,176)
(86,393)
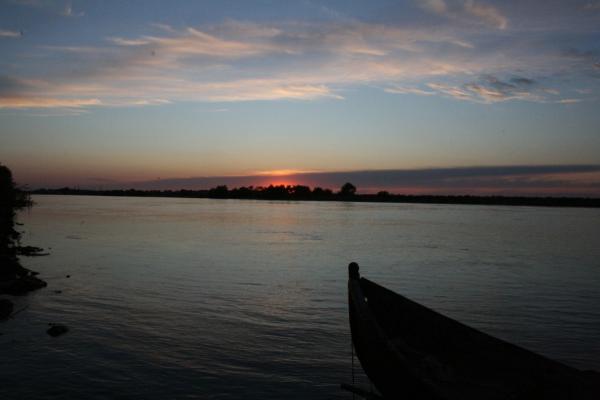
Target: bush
(11,200)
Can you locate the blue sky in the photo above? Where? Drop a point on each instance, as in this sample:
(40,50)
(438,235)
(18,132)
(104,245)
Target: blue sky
(126,92)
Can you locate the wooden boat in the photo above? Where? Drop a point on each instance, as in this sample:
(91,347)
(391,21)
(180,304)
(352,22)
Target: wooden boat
(409,351)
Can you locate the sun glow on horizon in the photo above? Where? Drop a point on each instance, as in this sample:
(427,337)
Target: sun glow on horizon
(282,172)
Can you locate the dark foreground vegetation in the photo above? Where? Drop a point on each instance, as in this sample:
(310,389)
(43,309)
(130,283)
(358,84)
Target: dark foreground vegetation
(14,278)
(346,193)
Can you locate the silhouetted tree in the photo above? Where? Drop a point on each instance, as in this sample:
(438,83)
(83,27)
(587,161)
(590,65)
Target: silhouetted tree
(11,200)
(321,194)
(242,192)
(348,190)
(318,192)
(218,192)
(301,192)
(275,192)
(14,278)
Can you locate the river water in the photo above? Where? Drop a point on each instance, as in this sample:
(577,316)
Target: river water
(230,299)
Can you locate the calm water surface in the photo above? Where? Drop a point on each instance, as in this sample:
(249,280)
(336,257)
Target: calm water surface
(226,299)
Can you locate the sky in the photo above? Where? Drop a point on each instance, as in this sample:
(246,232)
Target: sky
(423,96)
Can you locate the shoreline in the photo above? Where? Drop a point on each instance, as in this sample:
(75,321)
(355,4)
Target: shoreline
(15,279)
(560,202)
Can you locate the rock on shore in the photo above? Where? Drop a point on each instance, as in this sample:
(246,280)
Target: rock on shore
(57,330)
(17,280)
(6,308)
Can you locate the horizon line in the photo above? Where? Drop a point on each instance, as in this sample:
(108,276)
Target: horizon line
(566,179)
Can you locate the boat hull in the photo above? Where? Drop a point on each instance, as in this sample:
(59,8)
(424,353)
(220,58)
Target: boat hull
(409,351)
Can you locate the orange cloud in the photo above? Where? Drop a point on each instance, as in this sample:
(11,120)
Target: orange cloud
(45,102)
(9,34)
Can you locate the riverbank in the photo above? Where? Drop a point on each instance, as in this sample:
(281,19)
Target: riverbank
(15,280)
(304,193)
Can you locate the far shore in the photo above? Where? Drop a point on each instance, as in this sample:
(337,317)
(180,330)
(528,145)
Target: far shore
(304,193)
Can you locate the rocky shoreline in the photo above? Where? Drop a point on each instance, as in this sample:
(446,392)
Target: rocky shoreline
(16,280)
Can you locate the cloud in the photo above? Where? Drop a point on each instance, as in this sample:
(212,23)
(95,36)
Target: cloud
(18,93)
(585,59)
(45,102)
(452,91)
(486,13)
(194,42)
(163,27)
(467,11)
(408,90)
(9,34)
(436,6)
(521,81)
(68,12)
(257,89)
(190,64)
(490,89)
(129,42)
(569,101)
(247,61)
(10,85)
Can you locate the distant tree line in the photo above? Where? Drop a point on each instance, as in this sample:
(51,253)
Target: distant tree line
(347,192)
(271,192)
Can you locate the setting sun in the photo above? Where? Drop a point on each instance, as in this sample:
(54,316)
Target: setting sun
(282,172)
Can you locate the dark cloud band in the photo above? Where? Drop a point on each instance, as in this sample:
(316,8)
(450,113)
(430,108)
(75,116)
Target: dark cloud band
(559,178)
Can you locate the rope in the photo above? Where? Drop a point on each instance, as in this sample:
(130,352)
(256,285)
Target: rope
(18,311)
(352,348)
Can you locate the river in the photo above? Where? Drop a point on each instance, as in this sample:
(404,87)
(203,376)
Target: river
(228,299)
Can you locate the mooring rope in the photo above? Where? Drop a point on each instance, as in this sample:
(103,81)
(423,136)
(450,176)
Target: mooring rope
(352,349)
